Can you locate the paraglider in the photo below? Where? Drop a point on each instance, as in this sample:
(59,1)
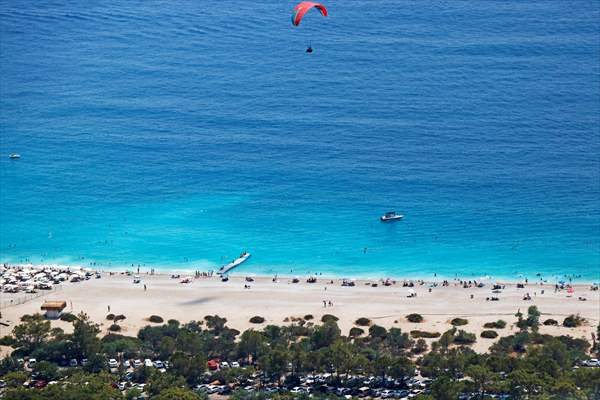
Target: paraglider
(301,9)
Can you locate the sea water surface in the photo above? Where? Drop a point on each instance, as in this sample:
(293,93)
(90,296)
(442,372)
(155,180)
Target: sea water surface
(175,135)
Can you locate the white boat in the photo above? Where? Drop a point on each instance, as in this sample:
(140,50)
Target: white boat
(14,156)
(226,268)
(391,216)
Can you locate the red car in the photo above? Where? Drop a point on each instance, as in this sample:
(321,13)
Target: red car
(213,364)
(40,384)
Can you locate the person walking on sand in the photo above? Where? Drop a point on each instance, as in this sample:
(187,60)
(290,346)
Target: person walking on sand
(109,308)
(144,287)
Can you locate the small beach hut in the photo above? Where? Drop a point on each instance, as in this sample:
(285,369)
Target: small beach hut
(53,308)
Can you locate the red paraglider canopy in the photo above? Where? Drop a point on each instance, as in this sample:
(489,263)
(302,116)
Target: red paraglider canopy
(303,8)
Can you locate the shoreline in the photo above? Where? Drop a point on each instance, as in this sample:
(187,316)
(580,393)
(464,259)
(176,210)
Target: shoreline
(167,271)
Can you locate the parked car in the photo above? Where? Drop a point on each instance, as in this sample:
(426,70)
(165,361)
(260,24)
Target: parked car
(158,364)
(592,362)
(235,364)
(40,384)
(223,389)
(201,387)
(137,363)
(73,363)
(112,363)
(148,362)
(127,363)
(210,389)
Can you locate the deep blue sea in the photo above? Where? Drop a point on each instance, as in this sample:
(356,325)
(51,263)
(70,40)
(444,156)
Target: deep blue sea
(175,135)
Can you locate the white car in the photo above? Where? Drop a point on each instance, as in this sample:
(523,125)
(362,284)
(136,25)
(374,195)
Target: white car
(201,387)
(235,364)
(127,363)
(224,364)
(592,362)
(158,364)
(73,363)
(31,362)
(210,389)
(137,363)
(112,363)
(148,362)
(122,386)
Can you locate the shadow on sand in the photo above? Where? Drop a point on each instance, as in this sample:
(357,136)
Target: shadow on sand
(194,302)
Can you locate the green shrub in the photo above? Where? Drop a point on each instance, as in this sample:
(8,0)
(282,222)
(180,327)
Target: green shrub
(308,317)
(377,331)
(551,322)
(459,321)
(573,321)
(7,341)
(173,322)
(68,317)
(155,319)
(363,321)
(356,332)
(500,324)
(257,319)
(329,318)
(489,334)
(114,328)
(463,337)
(423,334)
(110,317)
(414,318)
(420,347)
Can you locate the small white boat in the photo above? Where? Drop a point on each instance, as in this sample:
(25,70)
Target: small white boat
(226,268)
(391,216)
(14,156)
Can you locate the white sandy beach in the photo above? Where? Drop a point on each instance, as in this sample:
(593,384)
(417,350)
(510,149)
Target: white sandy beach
(384,305)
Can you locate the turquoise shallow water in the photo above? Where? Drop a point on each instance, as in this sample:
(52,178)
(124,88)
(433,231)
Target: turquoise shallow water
(176,136)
